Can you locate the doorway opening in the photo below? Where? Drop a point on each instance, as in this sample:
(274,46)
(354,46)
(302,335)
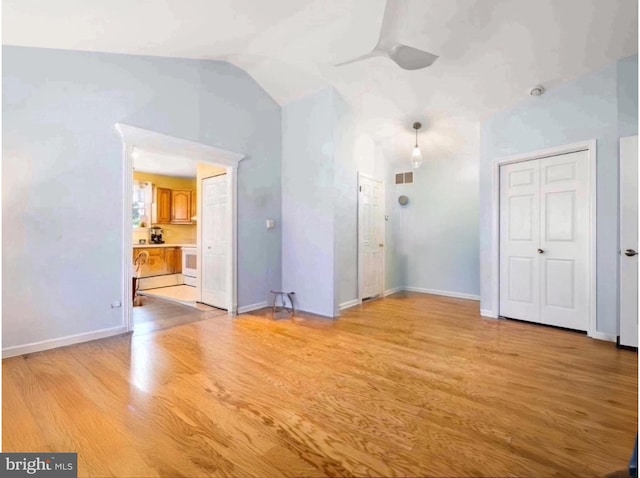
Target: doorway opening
(166,207)
(164,263)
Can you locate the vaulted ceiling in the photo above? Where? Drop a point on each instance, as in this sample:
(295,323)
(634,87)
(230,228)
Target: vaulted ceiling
(491,51)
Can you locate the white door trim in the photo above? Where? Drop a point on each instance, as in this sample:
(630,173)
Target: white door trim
(146,139)
(590,147)
(359,245)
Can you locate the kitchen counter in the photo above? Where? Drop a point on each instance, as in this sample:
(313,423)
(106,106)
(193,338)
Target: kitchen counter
(150,246)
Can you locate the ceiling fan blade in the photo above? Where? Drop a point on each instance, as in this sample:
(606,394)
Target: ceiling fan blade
(407,57)
(395,13)
(361,57)
(411,58)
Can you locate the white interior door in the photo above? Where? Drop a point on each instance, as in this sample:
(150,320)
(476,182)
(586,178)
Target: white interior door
(519,238)
(564,240)
(544,234)
(371,237)
(215,241)
(629,241)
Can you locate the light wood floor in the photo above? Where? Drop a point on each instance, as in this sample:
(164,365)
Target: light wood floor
(155,314)
(412,385)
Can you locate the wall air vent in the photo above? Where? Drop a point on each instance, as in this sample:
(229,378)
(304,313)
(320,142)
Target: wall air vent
(404,178)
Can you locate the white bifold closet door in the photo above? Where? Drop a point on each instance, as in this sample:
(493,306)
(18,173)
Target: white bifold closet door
(544,241)
(215,234)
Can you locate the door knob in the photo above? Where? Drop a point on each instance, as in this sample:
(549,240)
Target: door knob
(381,245)
(630,253)
(540,251)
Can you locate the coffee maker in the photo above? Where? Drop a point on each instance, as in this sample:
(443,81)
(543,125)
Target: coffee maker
(156,235)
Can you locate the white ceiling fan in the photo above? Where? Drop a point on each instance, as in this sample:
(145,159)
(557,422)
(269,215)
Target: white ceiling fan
(405,56)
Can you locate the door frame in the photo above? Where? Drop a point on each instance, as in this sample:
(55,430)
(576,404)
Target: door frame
(359,230)
(132,136)
(590,147)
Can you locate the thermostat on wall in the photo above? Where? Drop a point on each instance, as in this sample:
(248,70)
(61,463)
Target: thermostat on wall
(403,200)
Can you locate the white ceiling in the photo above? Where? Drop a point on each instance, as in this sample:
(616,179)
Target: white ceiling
(491,51)
(166,165)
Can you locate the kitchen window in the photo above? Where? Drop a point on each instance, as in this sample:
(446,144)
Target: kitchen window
(142,199)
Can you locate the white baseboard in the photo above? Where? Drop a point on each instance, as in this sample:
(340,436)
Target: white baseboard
(602,336)
(317,314)
(349,304)
(190,281)
(488,313)
(392,291)
(61,342)
(250,308)
(456,295)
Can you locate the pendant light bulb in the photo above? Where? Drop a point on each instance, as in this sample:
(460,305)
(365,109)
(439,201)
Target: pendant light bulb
(416,155)
(416,158)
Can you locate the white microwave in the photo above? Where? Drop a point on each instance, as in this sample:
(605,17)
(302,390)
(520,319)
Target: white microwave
(189,262)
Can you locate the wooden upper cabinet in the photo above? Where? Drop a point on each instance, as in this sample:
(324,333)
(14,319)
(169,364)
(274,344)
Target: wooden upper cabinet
(181,206)
(162,208)
(194,204)
(172,206)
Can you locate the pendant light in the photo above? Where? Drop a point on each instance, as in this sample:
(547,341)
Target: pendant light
(416,155)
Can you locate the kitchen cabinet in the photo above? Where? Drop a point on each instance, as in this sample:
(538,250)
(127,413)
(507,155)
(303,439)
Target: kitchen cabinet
(155,266)
(181,206)
(162,261)
(177,261)
(162,206)
(172,206)
(194,207)
(171,258)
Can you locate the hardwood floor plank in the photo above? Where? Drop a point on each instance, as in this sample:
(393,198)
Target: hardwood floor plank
(28,436)
(411,385)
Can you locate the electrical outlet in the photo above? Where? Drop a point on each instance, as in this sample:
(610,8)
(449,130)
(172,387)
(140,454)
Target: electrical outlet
(115,304)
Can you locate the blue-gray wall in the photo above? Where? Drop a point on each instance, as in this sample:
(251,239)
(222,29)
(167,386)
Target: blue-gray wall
(628,96)
(345,200)
(308,255)
(436,234)
(62,176)
(601,105)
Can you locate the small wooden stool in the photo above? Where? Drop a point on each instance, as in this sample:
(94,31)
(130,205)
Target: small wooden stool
(283,306)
